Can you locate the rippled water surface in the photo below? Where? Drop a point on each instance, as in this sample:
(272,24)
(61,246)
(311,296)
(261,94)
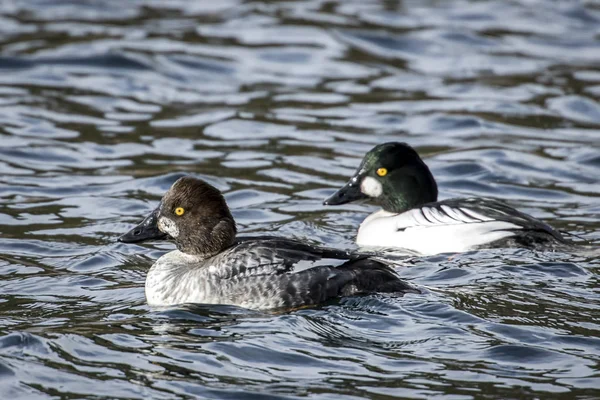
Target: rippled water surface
(103,104)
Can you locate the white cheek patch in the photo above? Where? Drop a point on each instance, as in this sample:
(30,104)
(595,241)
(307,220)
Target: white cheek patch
(371,187)
(167,226)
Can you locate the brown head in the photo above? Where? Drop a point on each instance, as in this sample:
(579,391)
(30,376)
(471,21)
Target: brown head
(194,214)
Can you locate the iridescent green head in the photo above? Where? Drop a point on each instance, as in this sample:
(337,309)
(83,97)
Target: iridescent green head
(393,176)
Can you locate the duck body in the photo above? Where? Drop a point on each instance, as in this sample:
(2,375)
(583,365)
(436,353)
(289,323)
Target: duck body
(456,225)
(267,273)
(212,266)
(412,219)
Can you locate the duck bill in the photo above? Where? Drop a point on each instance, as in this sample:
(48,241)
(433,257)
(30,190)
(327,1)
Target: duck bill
(348,193)
(146,230)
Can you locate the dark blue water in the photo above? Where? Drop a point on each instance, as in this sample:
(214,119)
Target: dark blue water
(103,104)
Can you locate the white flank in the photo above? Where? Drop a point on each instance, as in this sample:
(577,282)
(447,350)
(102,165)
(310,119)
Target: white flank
(428,231)
(371,187)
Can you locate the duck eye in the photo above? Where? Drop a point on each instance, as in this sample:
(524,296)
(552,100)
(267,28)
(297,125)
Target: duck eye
(179,211)
(382,171)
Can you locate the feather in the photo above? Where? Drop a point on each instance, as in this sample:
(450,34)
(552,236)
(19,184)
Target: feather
(268,273)
(453,225)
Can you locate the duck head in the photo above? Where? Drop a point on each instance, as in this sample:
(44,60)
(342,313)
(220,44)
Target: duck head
(393,176)
(194,215)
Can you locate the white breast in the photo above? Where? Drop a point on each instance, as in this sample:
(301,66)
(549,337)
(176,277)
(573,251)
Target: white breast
(429,231)
(171,281)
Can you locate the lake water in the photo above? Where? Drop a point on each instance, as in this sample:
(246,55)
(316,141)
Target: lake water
(103,104)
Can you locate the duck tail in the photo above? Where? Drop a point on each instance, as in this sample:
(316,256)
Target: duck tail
(373,276)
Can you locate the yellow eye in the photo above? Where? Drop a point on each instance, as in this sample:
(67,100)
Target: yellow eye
(382,171)
(179,211)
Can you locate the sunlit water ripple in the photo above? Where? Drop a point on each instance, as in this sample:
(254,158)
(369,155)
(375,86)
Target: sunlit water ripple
(103,104)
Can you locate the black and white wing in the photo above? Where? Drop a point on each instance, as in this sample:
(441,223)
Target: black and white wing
(255,256)
(453,225)
(276,273)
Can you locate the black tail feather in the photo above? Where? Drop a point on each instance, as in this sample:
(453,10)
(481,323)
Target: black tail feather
(370,276)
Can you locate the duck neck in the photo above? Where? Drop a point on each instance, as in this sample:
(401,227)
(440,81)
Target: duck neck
(208,240)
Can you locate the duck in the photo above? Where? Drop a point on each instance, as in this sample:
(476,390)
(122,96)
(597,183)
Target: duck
(393,176)
(212,265)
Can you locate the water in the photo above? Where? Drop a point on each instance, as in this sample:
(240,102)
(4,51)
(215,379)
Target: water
(103,104)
